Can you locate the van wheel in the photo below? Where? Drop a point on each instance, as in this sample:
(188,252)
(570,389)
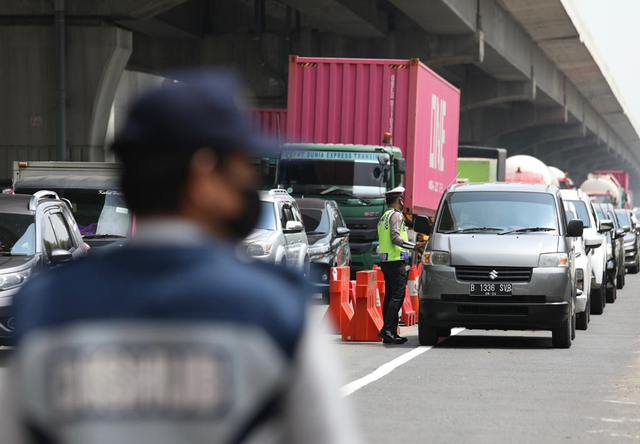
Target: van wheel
(582,319)
(427,335)
(596,300)
(561,337)
(573,326)
(443,332)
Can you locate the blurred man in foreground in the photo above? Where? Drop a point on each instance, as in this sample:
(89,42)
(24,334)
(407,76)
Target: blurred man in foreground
(173,339)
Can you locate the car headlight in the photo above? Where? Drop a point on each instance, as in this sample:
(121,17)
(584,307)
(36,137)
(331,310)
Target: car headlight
(554,260)
(319,249)
(436,258)
(12,280)
(259,249)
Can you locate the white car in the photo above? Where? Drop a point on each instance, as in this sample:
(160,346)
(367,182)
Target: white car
(584,274)
(594,250)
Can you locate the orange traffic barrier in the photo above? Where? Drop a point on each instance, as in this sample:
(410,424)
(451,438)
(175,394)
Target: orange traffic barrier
(340,311)
(380,289)
(352,293)
(367,322)
(408,313)
(412,283)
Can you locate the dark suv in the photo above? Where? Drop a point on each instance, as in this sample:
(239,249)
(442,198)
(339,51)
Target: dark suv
(328,237)
(36,232)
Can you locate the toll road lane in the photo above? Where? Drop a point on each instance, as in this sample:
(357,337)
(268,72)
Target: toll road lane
(493,386)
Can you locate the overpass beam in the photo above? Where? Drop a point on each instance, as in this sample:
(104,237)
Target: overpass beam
(481,91)
(96,58)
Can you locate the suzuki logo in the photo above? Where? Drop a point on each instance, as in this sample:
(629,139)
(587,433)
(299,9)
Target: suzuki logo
(493,275)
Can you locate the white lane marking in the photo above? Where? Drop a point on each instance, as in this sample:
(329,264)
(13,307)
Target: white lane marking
(622,402)
(387,368)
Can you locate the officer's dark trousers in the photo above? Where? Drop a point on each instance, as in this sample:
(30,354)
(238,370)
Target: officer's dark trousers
(395,282)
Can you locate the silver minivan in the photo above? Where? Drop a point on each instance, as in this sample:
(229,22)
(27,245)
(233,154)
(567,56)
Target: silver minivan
(500,257)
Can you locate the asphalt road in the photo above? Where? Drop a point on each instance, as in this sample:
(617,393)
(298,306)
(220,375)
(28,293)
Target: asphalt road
(492,387)
(499,387)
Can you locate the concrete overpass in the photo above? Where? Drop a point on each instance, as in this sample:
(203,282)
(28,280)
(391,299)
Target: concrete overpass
(528,82)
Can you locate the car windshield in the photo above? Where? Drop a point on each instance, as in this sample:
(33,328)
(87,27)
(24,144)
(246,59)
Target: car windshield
(496,211)
(316,221)
(267,216)
(583,212)
(362,178)
(97,212)
(623,217)
(17,234)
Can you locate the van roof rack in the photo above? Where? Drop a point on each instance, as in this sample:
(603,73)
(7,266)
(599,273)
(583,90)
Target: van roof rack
(41,195)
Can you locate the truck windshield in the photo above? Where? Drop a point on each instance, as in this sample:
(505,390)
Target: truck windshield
(501,211)
(583,212)
(17,234)
(99,213)
(360,178)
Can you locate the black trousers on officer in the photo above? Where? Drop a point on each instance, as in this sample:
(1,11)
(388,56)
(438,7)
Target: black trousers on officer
(395,283)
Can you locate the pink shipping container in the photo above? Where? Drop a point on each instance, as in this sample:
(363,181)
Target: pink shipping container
(271,122)
(355,101)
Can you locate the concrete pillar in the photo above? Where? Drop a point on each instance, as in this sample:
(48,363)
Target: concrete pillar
(96,57)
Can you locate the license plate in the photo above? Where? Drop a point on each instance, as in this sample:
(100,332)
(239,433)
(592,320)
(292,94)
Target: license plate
(490,290)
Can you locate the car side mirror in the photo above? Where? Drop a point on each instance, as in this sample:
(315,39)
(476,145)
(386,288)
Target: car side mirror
(620,233)
(422,225)
(592,241)
(60,256)
(343,231)
(575,228)
(293,226)
(605,225)
(626,228)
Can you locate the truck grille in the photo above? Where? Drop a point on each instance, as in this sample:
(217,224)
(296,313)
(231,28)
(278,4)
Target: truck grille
(493,274)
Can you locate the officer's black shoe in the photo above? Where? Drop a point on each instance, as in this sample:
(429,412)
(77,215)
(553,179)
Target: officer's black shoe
(401,338)
(389,338)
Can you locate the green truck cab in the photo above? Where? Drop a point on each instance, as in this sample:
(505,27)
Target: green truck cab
(354,176)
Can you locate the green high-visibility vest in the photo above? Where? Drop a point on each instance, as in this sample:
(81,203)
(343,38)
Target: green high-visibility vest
(388,250)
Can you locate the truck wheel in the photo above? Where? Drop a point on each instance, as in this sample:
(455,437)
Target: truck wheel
(427,335)
(596,300)
(561,337)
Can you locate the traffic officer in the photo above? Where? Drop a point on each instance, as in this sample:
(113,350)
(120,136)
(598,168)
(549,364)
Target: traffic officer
(394,249)
(173,338)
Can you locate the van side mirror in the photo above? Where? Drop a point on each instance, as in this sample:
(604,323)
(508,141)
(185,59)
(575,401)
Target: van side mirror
(605,225)
(620,233)
(626,228)
(593,241)
(575,228)
(422,225)
(400,166)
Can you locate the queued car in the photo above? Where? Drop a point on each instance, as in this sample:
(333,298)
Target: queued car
(594,242)
(279,236)
(500,256)
(97,204)
(614,250)
(631,241)
(619,235)
(584,273)
(36,232)
(328,237)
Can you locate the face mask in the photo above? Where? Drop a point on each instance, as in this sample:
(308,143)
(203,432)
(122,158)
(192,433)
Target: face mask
(239,227)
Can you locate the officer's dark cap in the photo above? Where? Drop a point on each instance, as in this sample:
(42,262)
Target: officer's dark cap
(201,110)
